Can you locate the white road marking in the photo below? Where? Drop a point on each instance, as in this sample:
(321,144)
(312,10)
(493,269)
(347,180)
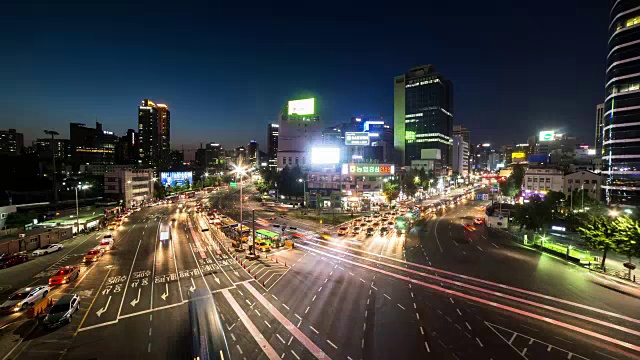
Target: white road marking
(401,307)
(314,330)
(281,339)
(332,344)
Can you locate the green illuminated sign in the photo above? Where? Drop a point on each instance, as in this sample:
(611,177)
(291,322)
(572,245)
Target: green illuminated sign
(232,185)
(410,135)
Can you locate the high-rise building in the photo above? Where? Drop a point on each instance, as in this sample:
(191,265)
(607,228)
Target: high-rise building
(462,131)
(272,145)
(621,144)
(92,145)
(11,142)
(300,129)
(599,135)
(252,153)
(460,156)
(46,146)
(154,134)
(422,114)
(211,157)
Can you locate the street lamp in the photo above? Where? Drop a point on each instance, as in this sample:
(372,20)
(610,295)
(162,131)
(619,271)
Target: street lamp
(240,170)
(79,186)
(304,192)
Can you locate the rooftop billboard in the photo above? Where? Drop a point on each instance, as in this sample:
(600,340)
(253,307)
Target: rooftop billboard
(302,107)
(356,138)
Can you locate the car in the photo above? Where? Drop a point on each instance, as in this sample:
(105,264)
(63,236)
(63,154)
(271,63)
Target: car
(23,298)
(106,244)
(478,221)
(383,229)
(370,231)
(65,275)
(376,224)
(47,249)
(11,260)
(62,311)
(93,255)
(356,230)
(390,223)
(343,230)
(263,246)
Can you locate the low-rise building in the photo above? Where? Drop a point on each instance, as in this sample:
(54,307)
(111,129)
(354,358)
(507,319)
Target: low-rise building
(132,186)
(584,180)
(543,179)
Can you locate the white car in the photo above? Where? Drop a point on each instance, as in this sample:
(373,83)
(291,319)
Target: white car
(23,298)
(47,249)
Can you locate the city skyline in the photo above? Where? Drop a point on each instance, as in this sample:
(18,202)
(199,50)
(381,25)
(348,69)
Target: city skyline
(204,91)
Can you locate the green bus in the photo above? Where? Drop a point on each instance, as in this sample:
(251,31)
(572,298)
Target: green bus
(269,237)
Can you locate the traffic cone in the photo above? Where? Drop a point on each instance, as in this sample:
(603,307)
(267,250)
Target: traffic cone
(263,284)
(285,264)
(255,277)
(249,270)
(276,259)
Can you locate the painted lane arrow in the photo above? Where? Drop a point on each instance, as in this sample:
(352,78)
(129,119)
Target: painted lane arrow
(166,292)
(193,286)
(101,311)
(136,300)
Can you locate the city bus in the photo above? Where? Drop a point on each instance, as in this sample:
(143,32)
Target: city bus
(269,237)
(208,341)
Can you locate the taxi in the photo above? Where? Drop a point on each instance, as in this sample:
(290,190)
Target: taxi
(263,246)
(66,275)
(343,230)
(93,255)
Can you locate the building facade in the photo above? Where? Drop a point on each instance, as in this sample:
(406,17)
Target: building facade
(584,180)
(132,186)
(621,124)
(423,115)
(599,136)
(92,145)
(252,153)
(543,179)
(154,134)
(460,156)
(47,146)
(299,129)
(272,145)
(11,142)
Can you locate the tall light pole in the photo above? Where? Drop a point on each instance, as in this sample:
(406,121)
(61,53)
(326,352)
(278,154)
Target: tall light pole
(240,170)
(78,207)
(304,192)
(53,133)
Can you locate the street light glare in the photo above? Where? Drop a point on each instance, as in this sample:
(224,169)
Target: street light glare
(613,213)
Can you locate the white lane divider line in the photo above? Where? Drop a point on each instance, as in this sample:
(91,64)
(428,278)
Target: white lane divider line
(314,330)
(262,342)
(387,296)
(332,344)
(401,307)
(304,340)
(280,338)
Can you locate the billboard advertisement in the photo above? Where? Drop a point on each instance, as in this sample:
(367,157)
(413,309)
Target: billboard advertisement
(325,156)
(356,138)
(174,178)
(518,156)
(538,158)
(302,107)
(547,135)
(368,169)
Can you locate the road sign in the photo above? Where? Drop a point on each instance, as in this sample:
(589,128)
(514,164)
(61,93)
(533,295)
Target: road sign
(485,196)
(233,185)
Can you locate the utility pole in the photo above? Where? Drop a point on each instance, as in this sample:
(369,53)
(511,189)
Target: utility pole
(53,133)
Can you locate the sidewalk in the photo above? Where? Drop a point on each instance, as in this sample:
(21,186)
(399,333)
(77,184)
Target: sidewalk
(614,262)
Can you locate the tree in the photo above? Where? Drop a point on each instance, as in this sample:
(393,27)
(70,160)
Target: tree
(187,185)
(597,234)
(319,202)
(262,186)
(159,191)
(514,183)
(534,215)
(391,190)
(19,219)
(408,182)
(627,237)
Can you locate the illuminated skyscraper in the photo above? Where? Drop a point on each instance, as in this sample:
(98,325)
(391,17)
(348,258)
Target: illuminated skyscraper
(154,134)
(621,139)
(423,119)
(272,145)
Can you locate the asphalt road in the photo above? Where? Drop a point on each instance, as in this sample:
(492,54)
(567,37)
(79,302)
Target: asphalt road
(437,292)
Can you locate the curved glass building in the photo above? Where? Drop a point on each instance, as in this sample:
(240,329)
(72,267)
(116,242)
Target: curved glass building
(621,130)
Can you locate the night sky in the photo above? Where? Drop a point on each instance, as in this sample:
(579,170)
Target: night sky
(225,72)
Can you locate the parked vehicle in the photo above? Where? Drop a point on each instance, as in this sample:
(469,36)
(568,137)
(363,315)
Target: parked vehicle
(11,260)
(47,249)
